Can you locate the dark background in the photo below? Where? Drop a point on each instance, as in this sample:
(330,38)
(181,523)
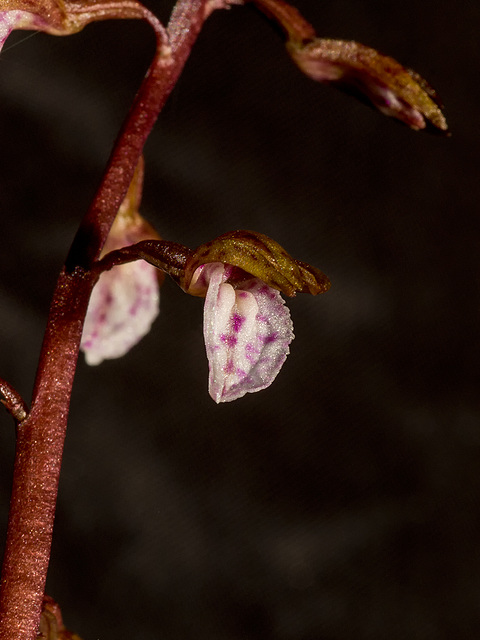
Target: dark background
(343,503)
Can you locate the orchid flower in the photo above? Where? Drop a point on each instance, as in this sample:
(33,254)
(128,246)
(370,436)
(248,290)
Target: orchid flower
(247,328)
(125,301)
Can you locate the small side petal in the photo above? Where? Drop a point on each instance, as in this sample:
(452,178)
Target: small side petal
(247,335)
(122,308)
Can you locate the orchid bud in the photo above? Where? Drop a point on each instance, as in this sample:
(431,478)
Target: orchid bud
(390,87)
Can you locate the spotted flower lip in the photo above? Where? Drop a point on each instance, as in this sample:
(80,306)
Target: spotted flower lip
(125,301)
(123,305)
(247,331)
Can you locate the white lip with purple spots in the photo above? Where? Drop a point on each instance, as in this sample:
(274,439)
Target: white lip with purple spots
(247,334)
(123,305)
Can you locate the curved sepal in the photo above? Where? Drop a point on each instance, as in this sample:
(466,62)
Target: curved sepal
(256,255)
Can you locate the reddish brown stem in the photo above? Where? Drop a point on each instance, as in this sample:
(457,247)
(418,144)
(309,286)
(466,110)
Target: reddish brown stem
(157,86)
(41,437)
(38,458)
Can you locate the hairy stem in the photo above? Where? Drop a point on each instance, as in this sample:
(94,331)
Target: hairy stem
(41,435)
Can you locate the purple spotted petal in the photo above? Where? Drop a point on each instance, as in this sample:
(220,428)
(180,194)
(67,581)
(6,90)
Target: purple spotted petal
(123,305)
(247,334)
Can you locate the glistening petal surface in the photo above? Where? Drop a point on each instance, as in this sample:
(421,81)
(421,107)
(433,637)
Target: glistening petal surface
(123,305)
(10,20)
(247,334)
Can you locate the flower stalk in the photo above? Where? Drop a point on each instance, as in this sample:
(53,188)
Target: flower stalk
(41,435)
